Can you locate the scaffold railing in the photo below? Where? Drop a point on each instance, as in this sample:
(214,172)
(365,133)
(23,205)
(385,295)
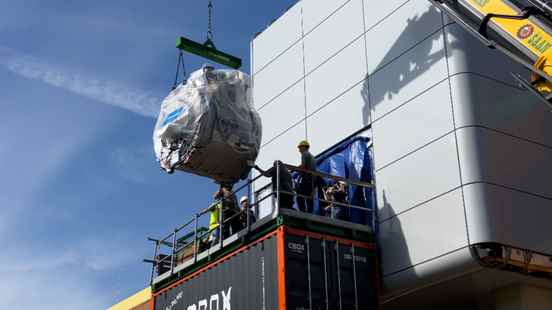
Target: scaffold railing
(280,190)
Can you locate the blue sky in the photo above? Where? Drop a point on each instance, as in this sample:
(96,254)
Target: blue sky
(81,83)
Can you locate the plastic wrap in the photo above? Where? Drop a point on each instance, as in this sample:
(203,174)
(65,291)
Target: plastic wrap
(209,127)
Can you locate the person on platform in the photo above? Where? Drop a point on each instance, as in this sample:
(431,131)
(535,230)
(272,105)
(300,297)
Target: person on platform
(307,182)
(245,209)
(337,194)
(284,184)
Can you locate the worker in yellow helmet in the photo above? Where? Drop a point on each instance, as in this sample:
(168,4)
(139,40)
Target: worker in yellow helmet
(307,182)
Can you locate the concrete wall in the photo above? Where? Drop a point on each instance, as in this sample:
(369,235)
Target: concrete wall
(462,154)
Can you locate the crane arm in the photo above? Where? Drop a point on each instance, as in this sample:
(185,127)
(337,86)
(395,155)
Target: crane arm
(523,31)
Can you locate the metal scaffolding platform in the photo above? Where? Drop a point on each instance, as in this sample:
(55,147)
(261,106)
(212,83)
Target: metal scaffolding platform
(190,246)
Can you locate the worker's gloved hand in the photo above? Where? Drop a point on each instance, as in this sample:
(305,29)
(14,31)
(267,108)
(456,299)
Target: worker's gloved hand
(252,165)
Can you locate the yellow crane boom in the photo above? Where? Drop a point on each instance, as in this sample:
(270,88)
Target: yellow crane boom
(520,29)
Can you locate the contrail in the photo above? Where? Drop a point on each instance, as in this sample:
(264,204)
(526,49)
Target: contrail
(134,100)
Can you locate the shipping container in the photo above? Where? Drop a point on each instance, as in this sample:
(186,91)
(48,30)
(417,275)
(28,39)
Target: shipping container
(286,268)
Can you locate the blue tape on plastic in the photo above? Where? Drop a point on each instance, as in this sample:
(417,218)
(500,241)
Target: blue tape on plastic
(171,117)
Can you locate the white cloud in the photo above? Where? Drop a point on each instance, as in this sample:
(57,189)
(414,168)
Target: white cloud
(109,92)
(128,162)
(48,291)
(40,270)
(60,278)
(24,177)
(100,253)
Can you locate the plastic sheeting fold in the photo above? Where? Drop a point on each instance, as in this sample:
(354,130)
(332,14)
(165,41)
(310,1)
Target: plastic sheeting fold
(209,127)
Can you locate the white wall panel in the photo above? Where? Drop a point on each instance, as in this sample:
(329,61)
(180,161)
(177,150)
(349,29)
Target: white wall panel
(486,102)
(467,54)
(336,121)
(407,61)
(283,148)
(408,76)
(336,76)
(498,214)
(277,38)
(423,233)
(408,26)
(376,11)
(490,156)
(315,11)
(284,112)
(421,176)
(334,34)
(278,76)
(413,125)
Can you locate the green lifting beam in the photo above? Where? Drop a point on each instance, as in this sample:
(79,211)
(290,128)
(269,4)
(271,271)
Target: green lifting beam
(209,51)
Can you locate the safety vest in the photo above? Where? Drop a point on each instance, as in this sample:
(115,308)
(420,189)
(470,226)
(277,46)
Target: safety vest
(214,216)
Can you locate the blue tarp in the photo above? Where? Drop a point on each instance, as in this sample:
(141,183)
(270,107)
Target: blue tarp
(352,160)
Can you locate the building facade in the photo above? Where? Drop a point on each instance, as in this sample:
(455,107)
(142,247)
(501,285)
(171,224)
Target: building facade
(462,154)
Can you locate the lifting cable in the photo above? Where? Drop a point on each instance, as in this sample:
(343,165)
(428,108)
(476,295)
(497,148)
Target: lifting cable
(179,65)
(210,21)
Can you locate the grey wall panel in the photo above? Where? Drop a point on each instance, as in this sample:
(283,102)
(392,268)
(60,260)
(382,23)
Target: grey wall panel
(413,125)
(469,287)
(336,76)
(498,214)
(422,233)
(274,121)
(285,71)
(406,27)
(404,78)
(376,11)
(316,11)
(481,101)
(421,176)
(336,120)
(490,156)
(277,38)
(437,270)
(467,54)
(333,34)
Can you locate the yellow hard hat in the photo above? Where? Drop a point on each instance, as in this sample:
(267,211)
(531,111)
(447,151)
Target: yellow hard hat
(304,143)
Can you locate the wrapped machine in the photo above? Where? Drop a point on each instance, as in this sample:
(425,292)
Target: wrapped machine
(208,126)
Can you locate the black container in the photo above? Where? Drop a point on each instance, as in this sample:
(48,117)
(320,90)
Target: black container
(287,269)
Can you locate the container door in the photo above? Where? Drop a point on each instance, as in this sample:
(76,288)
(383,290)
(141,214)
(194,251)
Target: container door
(347,277)
(358,278)
(329,275)
(317,274)
(366,278)
(332,279)
(297,283)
